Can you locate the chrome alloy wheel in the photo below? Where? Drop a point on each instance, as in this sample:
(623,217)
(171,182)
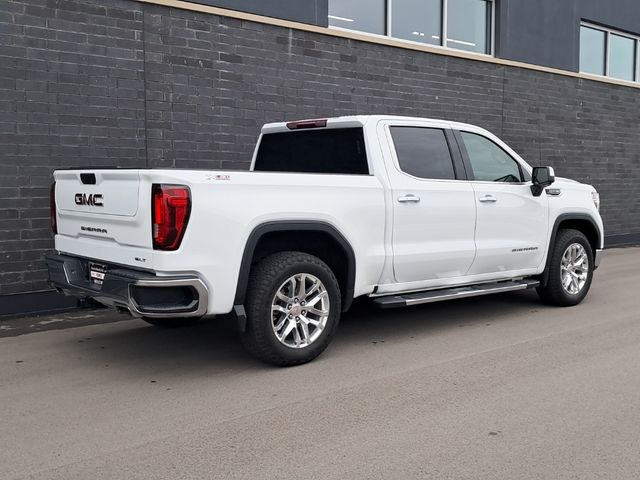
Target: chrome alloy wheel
(574,268)
(300,310)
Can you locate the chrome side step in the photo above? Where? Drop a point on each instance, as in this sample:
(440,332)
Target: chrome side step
(430,296)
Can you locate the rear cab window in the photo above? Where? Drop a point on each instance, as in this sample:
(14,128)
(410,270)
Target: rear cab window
(326,150)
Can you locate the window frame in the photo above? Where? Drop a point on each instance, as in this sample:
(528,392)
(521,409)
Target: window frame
(457,162)
(607,51)
(388,12)
(524,174)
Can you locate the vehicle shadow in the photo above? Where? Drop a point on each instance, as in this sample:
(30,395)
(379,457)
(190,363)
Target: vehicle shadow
(213,345)
(424,319)
(134,345)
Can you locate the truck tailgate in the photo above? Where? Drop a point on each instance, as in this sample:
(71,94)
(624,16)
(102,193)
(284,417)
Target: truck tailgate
(104,214)
(106,192)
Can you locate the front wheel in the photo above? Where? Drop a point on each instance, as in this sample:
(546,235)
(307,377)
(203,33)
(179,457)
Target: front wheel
(293,309)
(570,269)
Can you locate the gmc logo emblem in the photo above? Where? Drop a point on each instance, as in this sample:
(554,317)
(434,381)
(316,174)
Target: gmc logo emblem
(93,199)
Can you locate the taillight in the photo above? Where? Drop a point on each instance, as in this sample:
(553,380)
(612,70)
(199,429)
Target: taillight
(52,208)
(171,206)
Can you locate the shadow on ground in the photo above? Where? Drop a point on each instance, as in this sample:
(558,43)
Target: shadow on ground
(213,344)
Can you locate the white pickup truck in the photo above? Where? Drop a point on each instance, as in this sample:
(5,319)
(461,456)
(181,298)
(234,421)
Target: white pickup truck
(403,210)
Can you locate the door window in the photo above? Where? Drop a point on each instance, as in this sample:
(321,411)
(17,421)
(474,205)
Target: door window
(489,162)
(423,152)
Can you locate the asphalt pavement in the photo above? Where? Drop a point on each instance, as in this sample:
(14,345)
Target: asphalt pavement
(497,387)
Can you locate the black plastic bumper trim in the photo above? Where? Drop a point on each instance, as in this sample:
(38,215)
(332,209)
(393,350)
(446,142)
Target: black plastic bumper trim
(69,275)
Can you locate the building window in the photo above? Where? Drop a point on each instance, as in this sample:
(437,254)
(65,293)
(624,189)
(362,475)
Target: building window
(469,25)
(622,56)
(417,20)
(362,15)
(592,48)
(459,24)
(609,53)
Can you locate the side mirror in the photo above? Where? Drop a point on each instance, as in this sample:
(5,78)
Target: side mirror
(541,177)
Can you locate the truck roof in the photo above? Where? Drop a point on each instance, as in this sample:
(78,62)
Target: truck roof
(359,121)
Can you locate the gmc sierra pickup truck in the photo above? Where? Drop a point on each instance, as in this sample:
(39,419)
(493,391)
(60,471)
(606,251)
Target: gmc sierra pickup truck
(403,210)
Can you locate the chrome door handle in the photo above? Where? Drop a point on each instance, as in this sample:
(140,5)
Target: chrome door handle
(488,199)
(410,198)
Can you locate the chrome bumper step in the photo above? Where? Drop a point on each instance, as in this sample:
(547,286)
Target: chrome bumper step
(430,296)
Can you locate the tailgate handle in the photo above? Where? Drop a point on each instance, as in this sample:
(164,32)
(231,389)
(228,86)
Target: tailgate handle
(88,178)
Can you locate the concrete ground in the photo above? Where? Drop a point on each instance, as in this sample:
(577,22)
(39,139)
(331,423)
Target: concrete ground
(496,387)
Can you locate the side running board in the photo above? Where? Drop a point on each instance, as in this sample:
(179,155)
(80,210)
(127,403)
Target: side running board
(407,299)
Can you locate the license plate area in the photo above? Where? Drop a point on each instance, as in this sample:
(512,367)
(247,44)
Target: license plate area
(97,272)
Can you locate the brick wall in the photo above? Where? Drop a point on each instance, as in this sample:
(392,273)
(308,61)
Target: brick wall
(71,93)
(117,82)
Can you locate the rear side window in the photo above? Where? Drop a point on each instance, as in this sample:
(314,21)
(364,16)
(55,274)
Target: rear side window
(423,152)
(331,150)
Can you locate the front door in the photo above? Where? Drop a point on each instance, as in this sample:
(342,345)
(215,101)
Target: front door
(511,225)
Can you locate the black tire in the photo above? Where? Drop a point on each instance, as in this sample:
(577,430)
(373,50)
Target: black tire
(554,293)
(266,278)
(172,322)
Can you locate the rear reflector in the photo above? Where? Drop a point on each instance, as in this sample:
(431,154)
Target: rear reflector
(171,206)
(307,124)
(52,208)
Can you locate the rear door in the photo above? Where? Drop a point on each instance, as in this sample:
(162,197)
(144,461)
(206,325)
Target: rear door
(433,207)
(512,225)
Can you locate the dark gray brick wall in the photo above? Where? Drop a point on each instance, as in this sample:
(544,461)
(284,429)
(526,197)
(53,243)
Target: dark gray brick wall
(71,93)
(86,82)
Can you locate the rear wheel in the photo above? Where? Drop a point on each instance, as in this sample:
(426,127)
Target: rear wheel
(293,309)
(570,269)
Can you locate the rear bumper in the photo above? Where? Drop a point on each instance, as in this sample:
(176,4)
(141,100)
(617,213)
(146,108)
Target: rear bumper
(143,294)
